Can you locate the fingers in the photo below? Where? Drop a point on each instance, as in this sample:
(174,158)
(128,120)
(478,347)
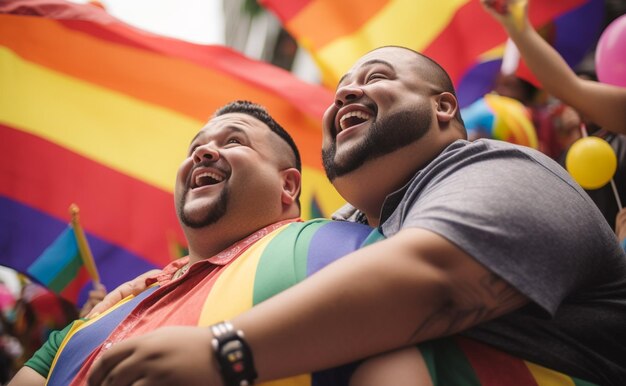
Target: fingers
(95,296)
(109,301)
(112,367)
(133,287)
(510,13)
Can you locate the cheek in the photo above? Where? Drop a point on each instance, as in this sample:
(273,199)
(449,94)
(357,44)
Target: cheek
(328,123)
(183,172)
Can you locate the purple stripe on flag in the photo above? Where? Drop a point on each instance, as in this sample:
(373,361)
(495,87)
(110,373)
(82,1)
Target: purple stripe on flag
(86,340)
(322,252)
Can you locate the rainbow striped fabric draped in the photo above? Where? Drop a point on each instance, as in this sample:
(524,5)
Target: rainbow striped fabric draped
(96,112)
(280,260)
(458,34)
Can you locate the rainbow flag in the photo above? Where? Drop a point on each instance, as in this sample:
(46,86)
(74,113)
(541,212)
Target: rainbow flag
(96,112)
(459,361)
(59,266)
(282,259)
(458,34)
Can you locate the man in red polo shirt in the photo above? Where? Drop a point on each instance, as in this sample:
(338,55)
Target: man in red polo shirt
(239,182)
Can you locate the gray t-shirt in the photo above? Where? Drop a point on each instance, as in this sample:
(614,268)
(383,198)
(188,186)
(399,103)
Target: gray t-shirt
(520,214)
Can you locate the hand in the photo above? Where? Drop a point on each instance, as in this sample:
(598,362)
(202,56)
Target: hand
(620,224)
(96,295)
(512,14)
(133,287)
(168,356)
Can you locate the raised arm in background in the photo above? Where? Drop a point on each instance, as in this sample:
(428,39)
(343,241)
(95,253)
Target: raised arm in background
(601,103)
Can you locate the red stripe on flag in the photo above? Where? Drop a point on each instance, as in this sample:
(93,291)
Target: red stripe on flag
(457,47)
(72,290)
(285,10)
(494,367)
(115,207)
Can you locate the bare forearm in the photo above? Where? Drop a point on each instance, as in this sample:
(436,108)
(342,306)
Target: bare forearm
(380,298)
(27,377)
(601,103)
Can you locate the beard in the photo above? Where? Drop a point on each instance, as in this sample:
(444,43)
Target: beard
(384,136)
(212,212)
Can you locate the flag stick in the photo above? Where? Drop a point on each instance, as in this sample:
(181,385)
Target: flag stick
(83,246)
(619,202)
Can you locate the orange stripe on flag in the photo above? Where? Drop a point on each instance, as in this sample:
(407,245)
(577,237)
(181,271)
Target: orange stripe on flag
(339,18)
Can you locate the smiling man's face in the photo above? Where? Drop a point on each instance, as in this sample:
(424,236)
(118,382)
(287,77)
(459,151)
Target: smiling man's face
(381,105)
(232,168)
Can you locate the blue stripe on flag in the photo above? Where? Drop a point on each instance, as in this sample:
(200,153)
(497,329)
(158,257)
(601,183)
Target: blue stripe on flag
(54,258)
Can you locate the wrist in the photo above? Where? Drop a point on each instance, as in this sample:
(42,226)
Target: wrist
(232,355)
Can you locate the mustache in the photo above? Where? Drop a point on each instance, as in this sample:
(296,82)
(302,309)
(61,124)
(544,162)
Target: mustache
(205,163)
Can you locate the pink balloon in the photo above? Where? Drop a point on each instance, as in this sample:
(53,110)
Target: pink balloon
(611,53)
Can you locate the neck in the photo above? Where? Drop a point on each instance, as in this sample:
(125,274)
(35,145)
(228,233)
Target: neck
(209,241)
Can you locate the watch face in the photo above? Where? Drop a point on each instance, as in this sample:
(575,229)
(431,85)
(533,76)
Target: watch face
(232,351)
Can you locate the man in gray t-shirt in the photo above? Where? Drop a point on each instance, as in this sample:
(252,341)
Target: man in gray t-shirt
(520,215)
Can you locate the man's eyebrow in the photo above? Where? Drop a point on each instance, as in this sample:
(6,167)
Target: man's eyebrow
(227,129)
(368,63)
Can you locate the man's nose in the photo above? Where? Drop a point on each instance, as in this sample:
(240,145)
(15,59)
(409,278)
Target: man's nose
(347,93)
(205,152)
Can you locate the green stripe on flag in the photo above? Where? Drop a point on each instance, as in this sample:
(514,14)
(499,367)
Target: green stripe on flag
(303,244)
(580,382)
(373,237)
(447,363)
(66,275)
(278,271)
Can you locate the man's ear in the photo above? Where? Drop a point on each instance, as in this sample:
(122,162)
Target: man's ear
(291,185)
(447,107)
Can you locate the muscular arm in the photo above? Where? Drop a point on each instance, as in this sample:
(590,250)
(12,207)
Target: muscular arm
(412,287)
(603,104)
(27,377)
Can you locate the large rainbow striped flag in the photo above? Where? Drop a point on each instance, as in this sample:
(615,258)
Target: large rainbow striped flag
(458,34)
(278,261)
(96,112)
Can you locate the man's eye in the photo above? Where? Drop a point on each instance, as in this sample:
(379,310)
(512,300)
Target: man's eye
(233,140)
(374,77)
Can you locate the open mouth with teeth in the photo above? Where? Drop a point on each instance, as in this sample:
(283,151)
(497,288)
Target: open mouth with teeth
(353,118)
(206,179)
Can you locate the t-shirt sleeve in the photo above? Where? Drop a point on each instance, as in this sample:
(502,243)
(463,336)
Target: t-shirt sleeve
(520,218)
(41,361)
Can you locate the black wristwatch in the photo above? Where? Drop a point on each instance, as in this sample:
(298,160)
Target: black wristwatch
(233,355)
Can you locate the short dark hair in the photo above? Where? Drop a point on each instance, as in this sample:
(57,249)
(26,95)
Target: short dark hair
(259,112)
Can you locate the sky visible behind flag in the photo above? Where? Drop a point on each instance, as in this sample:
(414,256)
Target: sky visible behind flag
(458,34)
(99,113)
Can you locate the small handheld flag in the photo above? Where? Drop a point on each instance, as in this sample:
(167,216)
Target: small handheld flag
(60,263)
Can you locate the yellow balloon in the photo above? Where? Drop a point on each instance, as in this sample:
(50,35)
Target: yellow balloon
(592,162)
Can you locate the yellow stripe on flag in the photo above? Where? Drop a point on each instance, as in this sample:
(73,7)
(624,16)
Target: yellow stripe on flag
(136,138)
(232,292)
(407,23)
(547,377)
